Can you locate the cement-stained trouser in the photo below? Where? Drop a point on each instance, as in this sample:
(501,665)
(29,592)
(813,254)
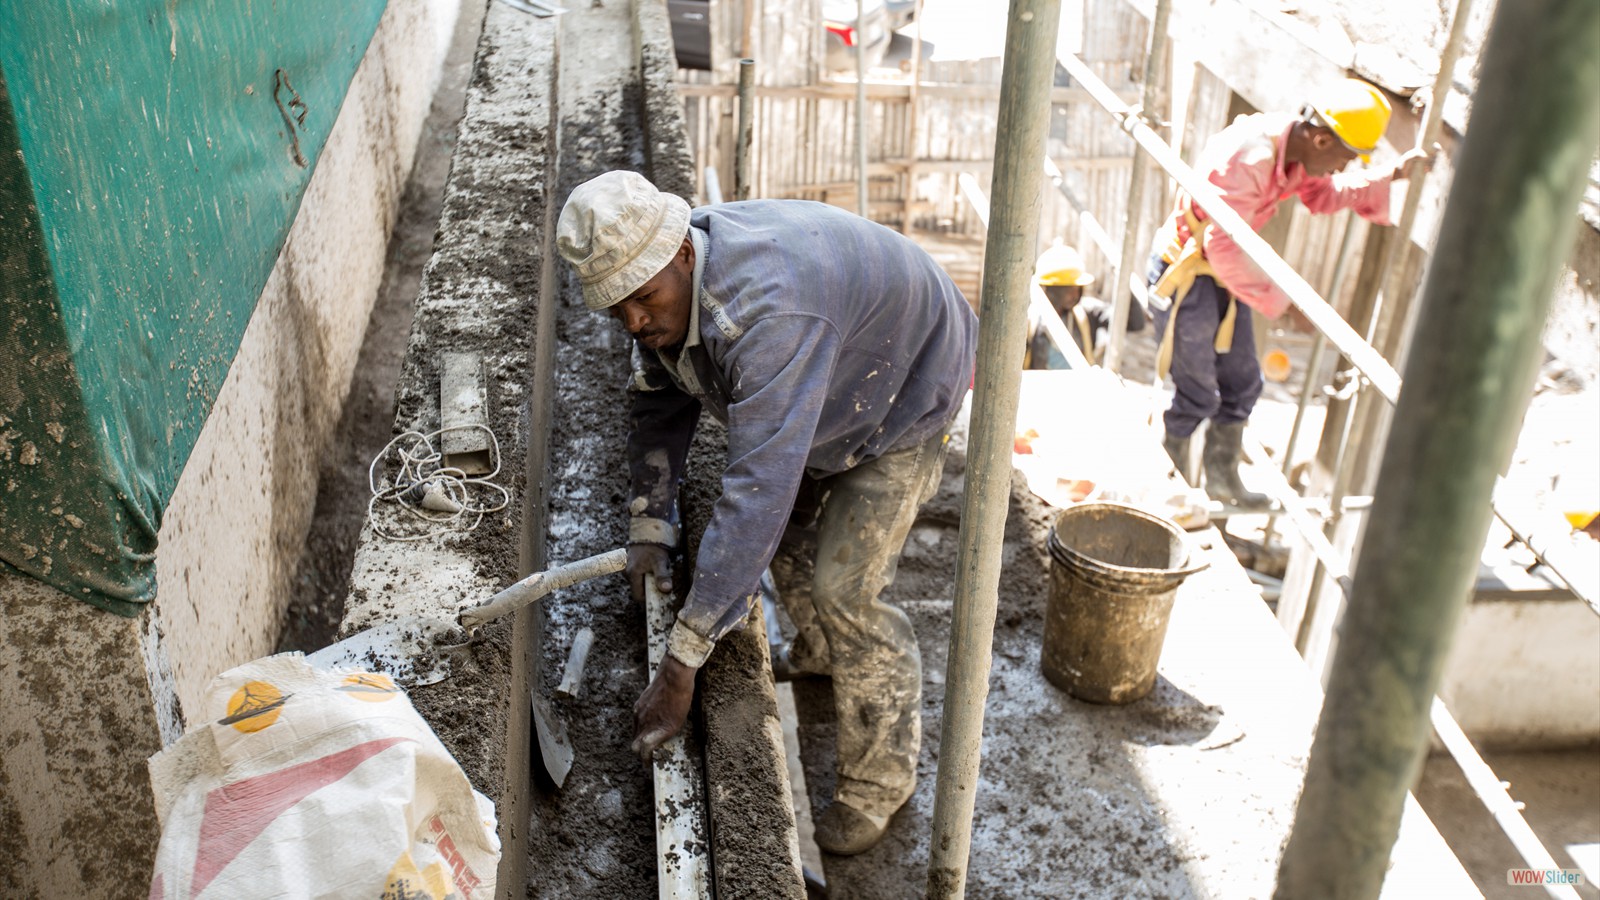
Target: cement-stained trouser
(1207,384)
(862,518)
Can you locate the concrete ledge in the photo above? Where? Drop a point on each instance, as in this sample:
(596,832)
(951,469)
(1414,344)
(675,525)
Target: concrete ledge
(481,294)
(238,517)
(1525,674)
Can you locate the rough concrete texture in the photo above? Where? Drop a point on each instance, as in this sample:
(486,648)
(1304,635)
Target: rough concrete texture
(480,294)
(233,531)
(1187,793)
(78,717)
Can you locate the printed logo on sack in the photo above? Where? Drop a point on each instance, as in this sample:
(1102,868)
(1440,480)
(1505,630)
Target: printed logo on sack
(369,687)
(254,707)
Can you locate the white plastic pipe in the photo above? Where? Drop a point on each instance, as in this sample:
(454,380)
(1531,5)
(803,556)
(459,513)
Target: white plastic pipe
(682,835)
(577,659)
(539,584)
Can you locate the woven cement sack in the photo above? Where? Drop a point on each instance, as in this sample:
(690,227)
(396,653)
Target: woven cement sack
(308,783)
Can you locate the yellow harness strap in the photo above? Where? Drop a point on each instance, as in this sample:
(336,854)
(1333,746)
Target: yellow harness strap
(1185,263)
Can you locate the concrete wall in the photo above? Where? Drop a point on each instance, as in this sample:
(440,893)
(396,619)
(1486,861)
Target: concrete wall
(1526,674)
(88,696)
(238,517)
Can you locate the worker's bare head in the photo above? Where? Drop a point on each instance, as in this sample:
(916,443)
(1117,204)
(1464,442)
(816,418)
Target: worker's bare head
(629,244)
(1342,124)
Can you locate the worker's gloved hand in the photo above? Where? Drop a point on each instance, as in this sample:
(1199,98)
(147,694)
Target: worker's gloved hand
(1426,154)
(649,561)
(662,709)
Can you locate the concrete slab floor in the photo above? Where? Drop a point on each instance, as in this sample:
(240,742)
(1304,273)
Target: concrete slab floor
(1561,790)
(1188,793)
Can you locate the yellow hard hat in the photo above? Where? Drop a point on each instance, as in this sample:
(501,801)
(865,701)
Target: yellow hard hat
(1355,111)
(1062,265)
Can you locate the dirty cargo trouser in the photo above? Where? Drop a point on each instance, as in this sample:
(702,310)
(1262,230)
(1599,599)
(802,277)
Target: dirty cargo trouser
(862,519)
(1206,384)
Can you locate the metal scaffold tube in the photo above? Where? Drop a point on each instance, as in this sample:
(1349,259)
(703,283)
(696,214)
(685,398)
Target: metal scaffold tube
(1128,259)
(1029,66)
(1507,225)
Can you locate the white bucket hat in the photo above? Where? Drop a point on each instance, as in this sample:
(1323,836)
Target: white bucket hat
(617,230)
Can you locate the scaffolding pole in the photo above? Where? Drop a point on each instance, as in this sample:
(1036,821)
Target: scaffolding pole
(742,176)
(1029,66)
(861,109)
(1432,129)
(1535,124)
(1133,219)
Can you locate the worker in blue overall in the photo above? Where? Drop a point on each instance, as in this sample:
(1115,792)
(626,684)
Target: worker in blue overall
(837,353)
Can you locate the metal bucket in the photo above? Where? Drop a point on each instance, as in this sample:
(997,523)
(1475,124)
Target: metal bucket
(1114,570)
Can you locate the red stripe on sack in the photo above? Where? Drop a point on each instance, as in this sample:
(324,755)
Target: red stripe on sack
(237,813)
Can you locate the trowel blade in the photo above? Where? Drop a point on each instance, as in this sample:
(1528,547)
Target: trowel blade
(409,650)
(553,743)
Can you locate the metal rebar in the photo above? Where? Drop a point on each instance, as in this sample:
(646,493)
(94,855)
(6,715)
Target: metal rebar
(742,176)
(1007,271)
(1508,223)
(1133,219)
(861,109)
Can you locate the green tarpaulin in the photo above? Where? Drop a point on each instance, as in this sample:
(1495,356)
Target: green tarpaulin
(152,158)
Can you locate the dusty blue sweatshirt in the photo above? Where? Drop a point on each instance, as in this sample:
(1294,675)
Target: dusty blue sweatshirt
(822,340)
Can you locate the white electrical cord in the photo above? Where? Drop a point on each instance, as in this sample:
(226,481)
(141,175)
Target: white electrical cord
(437,494)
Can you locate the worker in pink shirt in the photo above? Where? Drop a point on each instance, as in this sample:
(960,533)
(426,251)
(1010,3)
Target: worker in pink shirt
(1199,276)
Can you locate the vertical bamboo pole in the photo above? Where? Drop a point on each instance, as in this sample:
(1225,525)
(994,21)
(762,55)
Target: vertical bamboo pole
(1017,195)
(861,109)
(912,113)
(1133,218)
(741,160)
(1509,221)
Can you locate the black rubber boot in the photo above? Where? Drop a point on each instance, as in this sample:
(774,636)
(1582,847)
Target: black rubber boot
(1221,460)
(1178,449)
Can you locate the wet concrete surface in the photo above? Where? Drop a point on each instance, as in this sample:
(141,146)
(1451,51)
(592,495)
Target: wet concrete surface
(1187,793)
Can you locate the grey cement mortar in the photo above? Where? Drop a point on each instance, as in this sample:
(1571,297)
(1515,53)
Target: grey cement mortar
(595,836)
(487,290)
(322,574)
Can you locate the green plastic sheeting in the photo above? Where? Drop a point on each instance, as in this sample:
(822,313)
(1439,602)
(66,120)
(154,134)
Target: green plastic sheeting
(152,158)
